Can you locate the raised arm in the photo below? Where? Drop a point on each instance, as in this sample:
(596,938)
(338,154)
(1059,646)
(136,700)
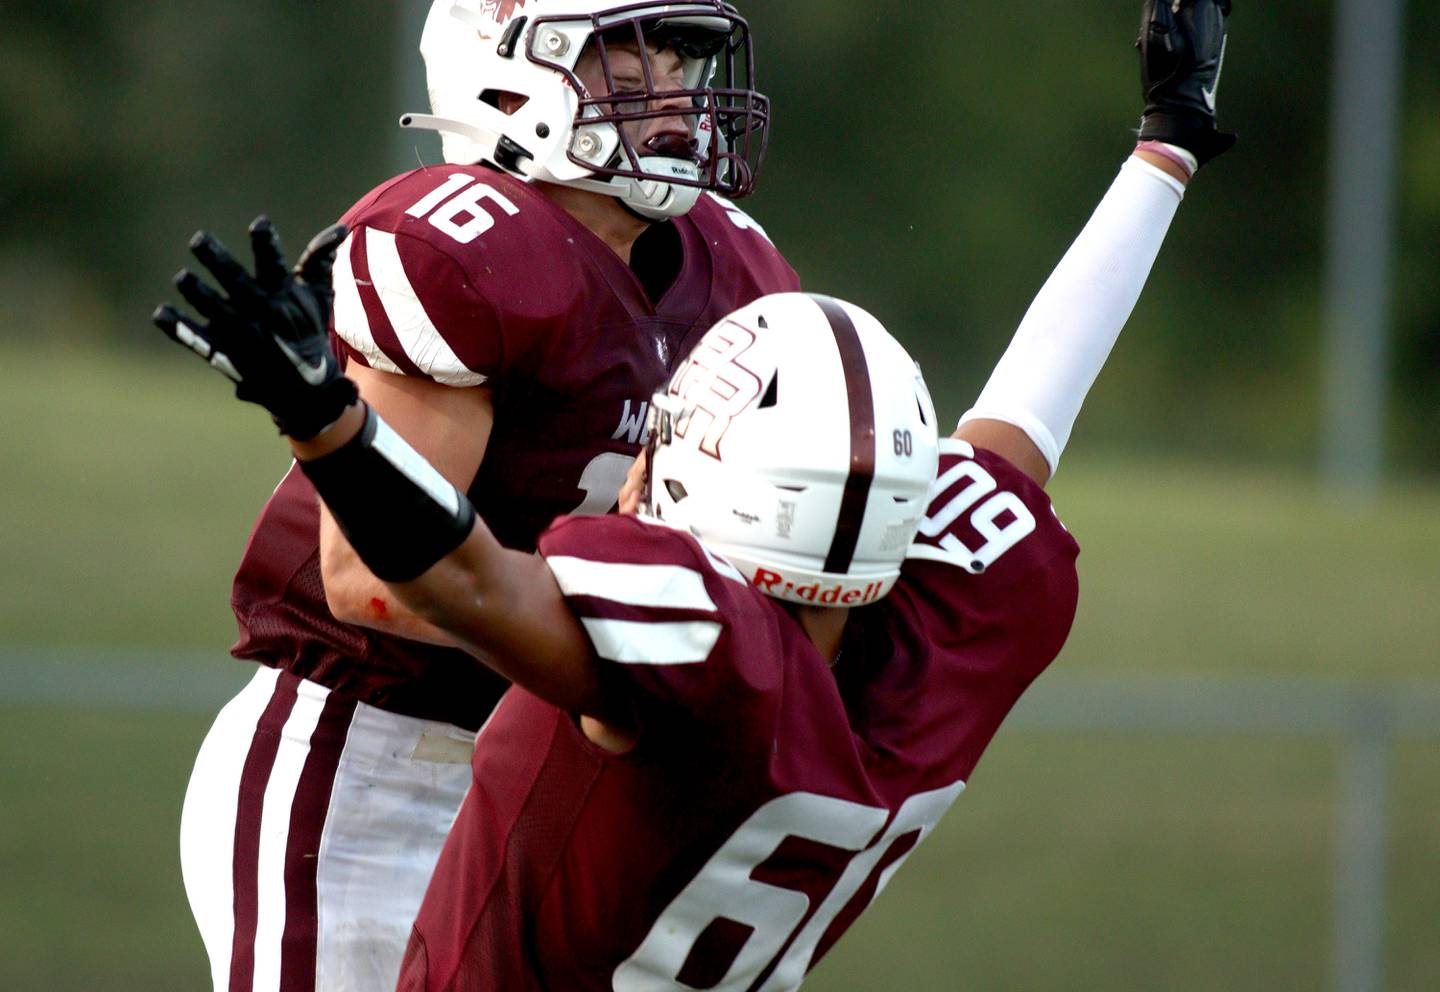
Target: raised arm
(268,334)
(1028,408)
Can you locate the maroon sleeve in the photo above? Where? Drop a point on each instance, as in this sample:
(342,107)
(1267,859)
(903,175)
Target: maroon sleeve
(681,629)
(748,264)
(991,574)
(452,275)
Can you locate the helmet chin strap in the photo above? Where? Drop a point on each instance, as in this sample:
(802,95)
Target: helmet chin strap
(649,200)
(649,218)
(656,199)
(653,204)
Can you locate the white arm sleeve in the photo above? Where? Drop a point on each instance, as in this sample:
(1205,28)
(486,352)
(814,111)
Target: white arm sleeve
(1068,332)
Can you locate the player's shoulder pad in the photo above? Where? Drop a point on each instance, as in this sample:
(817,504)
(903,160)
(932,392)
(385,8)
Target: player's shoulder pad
(630,539)
(440,275)
(987,517)
(493,226)
(647,593)
(737,239)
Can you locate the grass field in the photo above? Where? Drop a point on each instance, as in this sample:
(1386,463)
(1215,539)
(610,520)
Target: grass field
(1072,862)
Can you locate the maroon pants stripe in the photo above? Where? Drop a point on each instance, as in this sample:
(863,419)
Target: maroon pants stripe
(248,813)
(299,945)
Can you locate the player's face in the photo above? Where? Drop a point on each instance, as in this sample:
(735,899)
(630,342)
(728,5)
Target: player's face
(668,136)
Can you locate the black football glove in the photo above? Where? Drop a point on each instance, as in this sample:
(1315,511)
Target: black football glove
(1182,50)
(269,332)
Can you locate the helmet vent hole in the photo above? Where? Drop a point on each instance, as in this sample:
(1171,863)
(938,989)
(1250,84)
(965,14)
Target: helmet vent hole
(793,489)
(921,407)
(764,324)
(772,393)
(675,489)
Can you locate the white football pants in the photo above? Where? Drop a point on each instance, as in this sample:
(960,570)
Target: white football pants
(310,829)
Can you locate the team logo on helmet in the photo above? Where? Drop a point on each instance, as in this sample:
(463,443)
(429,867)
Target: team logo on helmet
(781,473)
(713,386)
(500,11)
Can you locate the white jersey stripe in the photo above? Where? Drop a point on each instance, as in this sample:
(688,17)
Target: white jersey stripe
(351,322)
(413,327)
(207,826)
(397,786)
(635,642)
(275,830)
(666,586)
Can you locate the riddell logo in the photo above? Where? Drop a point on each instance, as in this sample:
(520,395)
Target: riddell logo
(773,584)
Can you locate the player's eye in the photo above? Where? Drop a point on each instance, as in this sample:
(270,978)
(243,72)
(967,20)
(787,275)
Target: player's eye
(697,44)
(628,98)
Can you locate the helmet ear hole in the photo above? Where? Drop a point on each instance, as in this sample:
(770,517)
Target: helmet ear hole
(676,490)
(504,101)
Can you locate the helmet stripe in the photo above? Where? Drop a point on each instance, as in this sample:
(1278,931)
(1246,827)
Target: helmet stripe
(862,435)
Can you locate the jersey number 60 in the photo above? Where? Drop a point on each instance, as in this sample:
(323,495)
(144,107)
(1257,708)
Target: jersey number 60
(725,890)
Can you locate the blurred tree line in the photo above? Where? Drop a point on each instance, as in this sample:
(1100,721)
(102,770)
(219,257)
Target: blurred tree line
(930,160)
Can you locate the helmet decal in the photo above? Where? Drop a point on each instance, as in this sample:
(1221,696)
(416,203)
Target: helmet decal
(862,435)
(781,468)
(714,386)
(500,10)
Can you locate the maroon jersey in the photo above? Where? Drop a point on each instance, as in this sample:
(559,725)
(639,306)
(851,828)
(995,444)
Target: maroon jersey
(770,797)
(465,276)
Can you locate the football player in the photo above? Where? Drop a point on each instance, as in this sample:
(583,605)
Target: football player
(510,312)
(736,713)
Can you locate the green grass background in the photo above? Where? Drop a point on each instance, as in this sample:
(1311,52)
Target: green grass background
(1072,862)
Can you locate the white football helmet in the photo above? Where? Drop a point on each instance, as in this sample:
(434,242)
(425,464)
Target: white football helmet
(477,50)
(798,441)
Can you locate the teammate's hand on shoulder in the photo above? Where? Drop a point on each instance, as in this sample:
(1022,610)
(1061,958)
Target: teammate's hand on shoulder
(1182,50)
(269,333)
